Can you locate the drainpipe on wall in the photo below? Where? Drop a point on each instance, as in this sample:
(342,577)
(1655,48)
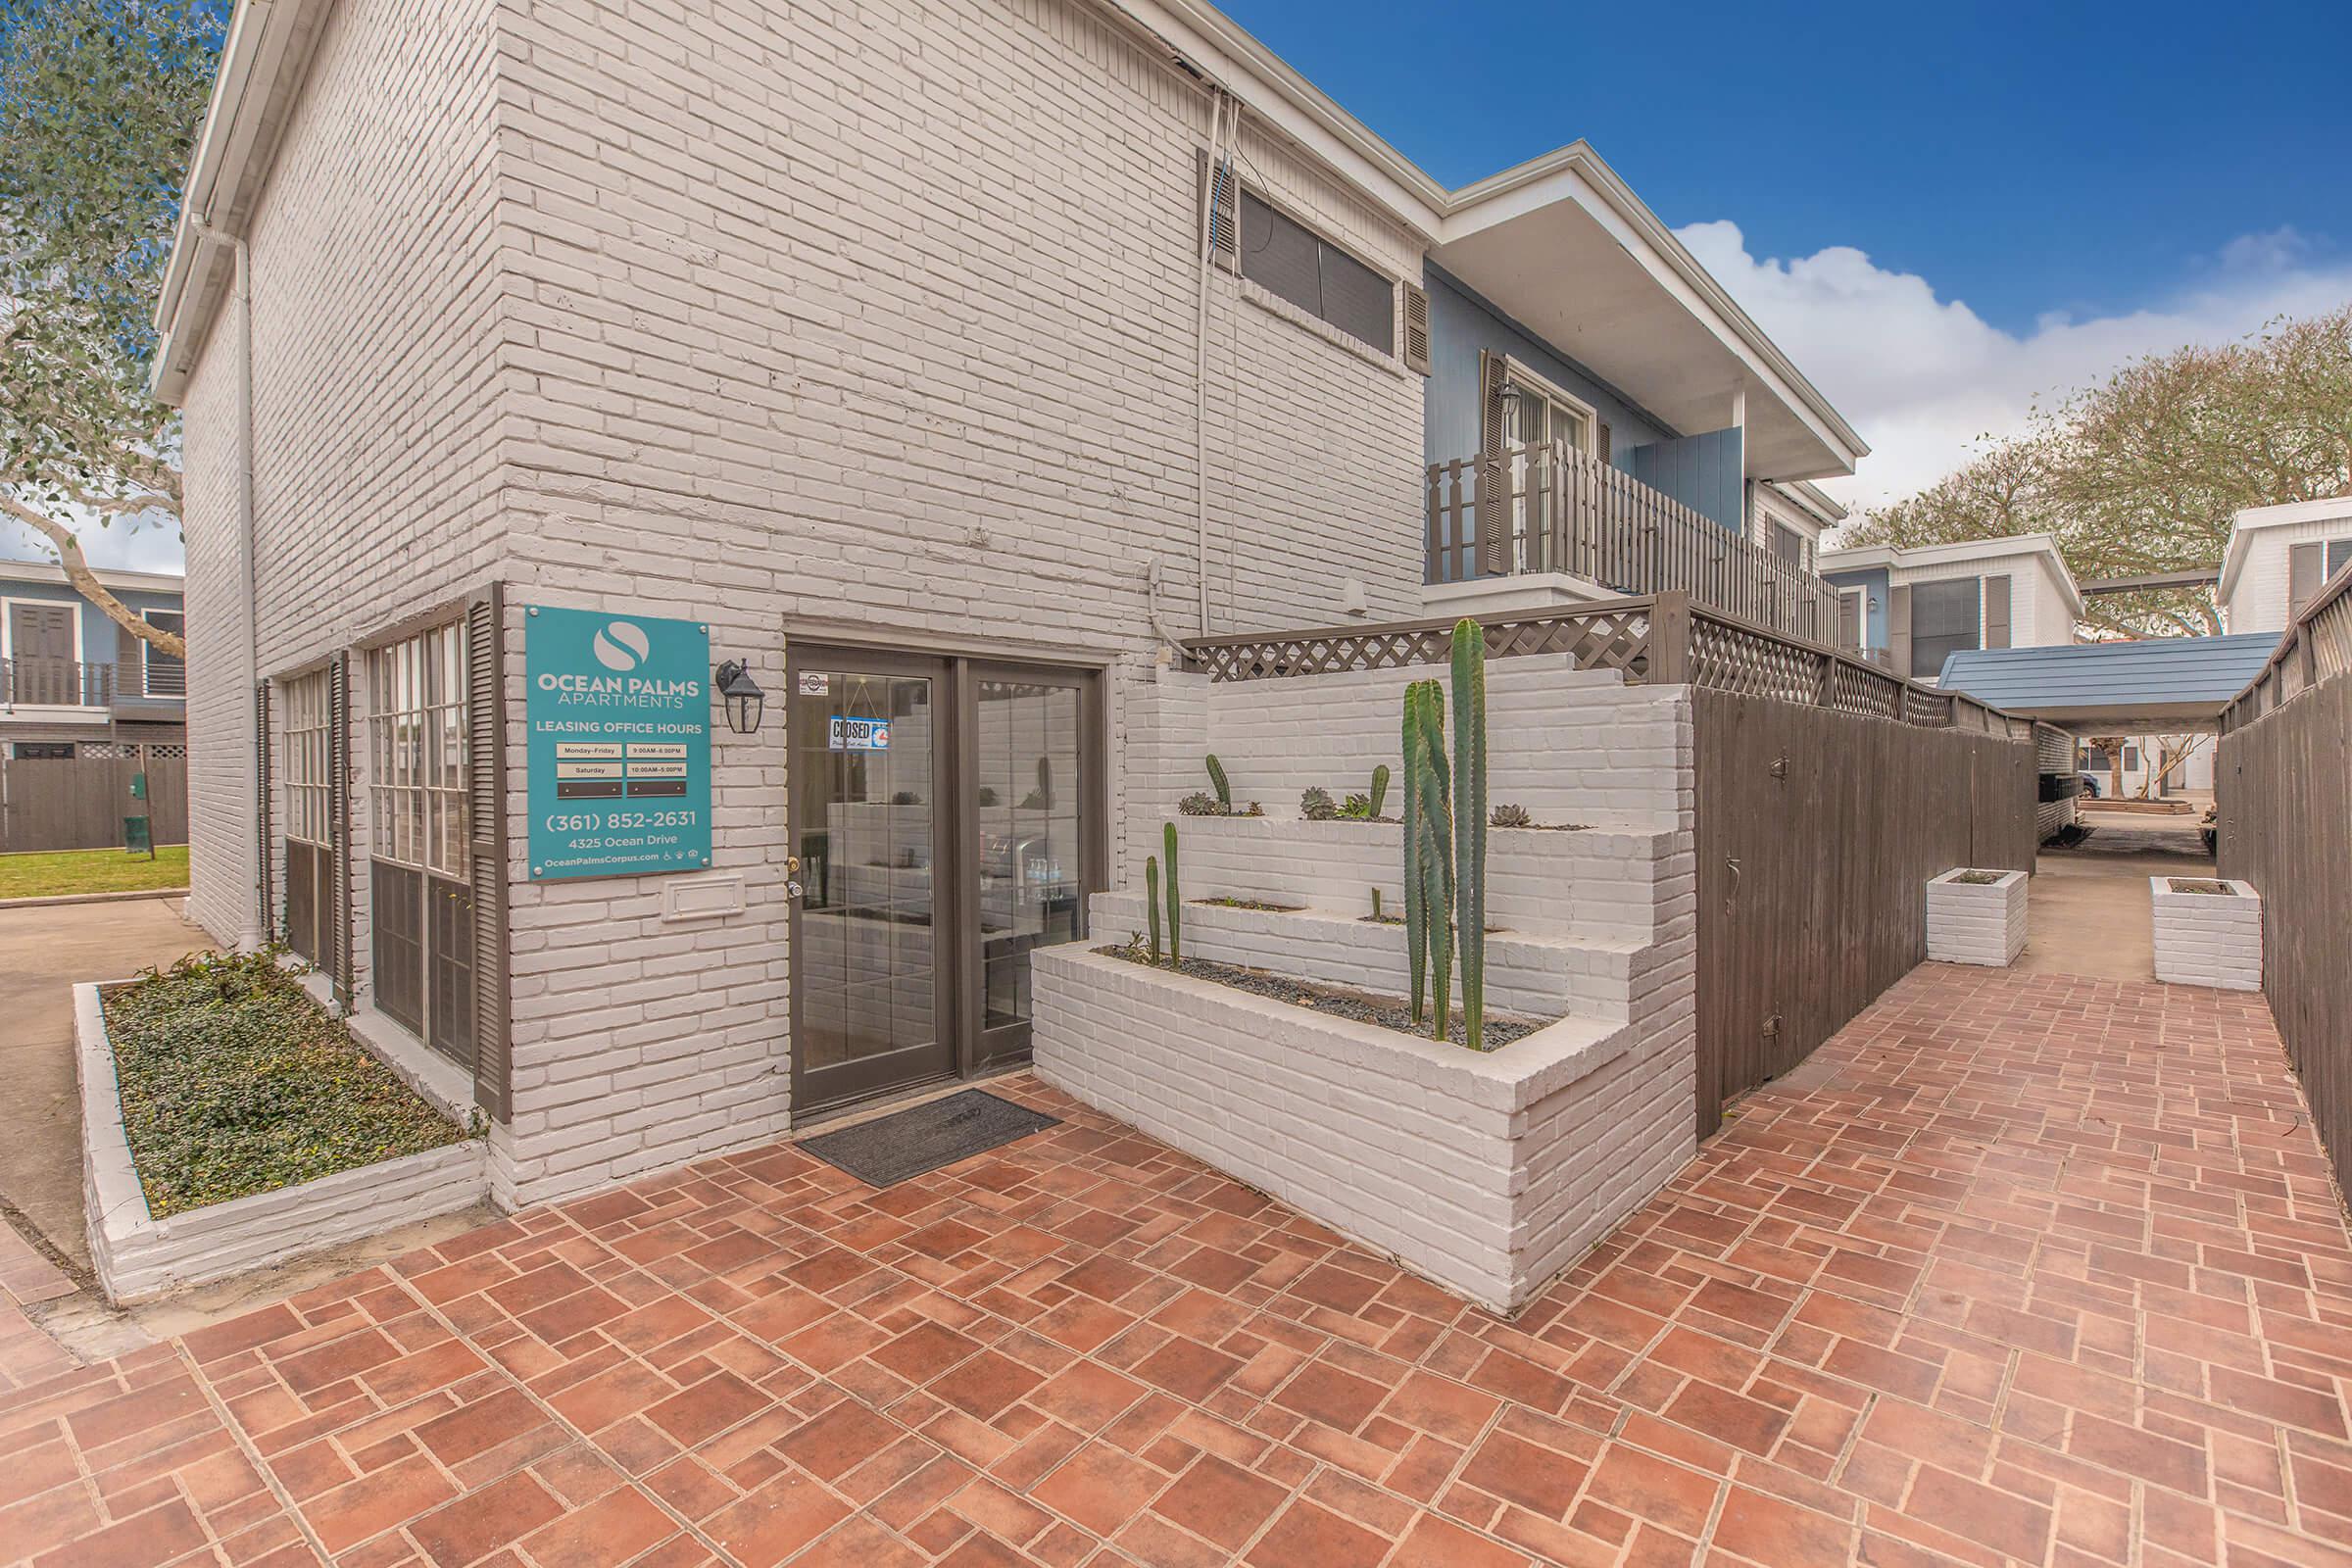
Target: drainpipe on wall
(1218,98)
(250,660)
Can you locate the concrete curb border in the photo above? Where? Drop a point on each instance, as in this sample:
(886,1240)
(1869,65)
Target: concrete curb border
(47,900)
(138,1256)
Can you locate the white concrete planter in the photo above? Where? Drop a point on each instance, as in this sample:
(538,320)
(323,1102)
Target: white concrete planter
(1489,1173)
(2207,939)
(138,1256)
(1975,922)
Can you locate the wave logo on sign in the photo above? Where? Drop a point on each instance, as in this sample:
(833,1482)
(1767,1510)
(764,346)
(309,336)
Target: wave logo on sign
(621,646)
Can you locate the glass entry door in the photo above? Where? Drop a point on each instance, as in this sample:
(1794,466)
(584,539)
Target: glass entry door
(947,813)
(868,772)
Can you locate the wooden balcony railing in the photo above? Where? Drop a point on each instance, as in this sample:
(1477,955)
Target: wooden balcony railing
(1555,509)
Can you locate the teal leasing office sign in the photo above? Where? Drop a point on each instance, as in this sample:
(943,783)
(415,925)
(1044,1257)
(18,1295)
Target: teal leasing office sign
(619,710)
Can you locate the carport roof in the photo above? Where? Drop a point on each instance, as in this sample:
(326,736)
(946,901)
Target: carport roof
(2184,681)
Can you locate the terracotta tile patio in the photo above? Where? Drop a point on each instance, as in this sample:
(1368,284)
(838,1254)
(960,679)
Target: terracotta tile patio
(2019,1267)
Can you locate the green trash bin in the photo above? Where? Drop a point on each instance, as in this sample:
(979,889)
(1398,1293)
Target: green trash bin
(137,838)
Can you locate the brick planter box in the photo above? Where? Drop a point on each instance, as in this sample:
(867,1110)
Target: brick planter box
(2207,939)
(138,1256)
(1486,1172)
(1975,922)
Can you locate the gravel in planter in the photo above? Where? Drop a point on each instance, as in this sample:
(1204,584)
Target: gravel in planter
(1337,1001)
(1980,879)
(234,1082)
(2184,884)
(1261,904)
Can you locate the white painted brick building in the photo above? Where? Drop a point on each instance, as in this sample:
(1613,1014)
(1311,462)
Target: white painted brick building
(885,327)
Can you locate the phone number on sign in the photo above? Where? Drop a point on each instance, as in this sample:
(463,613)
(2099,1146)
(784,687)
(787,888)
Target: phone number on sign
(585,821)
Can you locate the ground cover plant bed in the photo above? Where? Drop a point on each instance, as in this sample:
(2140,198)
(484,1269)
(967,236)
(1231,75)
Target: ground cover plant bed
(1979,879)
(1337,1002)
(2186,884)
(233,1081)
(1252,904)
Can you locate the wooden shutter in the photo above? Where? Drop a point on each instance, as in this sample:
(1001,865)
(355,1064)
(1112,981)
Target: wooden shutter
(1996,611)
(1601,446)
(265,847)
(1223,219)
(1898,630)
(2306,572)
(1491,557)
(338,826)
(1416,328)
(486,847)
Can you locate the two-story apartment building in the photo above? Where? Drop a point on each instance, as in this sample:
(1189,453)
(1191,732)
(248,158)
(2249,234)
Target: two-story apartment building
(71,680)
(1914,608)
(2277,558)
(557,373)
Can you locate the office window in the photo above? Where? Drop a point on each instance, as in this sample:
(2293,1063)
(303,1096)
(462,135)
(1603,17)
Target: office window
(306,757)
(420,901)
(1945,619)
(163,674)
(1290,260)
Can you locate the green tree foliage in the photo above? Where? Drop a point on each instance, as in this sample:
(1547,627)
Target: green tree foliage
(2144,472)
(100,101)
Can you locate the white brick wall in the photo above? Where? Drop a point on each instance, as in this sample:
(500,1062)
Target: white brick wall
(1488,1172)
(2207,939)
(874,322)
(1976,922)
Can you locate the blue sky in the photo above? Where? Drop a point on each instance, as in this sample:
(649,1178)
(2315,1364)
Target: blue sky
(2081,158)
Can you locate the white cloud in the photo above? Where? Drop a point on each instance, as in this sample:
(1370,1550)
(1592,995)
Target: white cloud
(1924,377)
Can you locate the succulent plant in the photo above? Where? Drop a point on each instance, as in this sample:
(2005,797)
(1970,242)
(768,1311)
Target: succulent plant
(1200,804)
(1380,788)
(1217,781)
(1317,806)
(1509,815)
(1356,809)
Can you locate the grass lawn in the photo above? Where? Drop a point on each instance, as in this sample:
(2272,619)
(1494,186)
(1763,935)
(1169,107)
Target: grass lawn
(234,1081)
(33,877)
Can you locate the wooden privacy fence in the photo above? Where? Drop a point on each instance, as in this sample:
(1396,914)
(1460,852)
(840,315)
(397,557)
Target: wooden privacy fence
(2284,783)
(79,803)
(1828,792)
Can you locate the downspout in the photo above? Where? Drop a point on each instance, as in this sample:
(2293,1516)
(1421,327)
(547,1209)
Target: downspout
(250,660)
(1217,100)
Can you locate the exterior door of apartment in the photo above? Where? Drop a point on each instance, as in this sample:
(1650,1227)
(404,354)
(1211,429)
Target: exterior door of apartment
(944,813)
(42,660)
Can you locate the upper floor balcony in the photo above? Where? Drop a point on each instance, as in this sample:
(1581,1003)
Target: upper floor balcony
(156,688)
(1528,525)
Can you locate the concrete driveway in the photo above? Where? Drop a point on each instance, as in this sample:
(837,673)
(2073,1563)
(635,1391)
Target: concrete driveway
(2087,911)
(43,950)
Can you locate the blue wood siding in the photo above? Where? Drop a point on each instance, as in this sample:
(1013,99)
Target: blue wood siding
(1875,591)
(1460,324)
(102,643)
(1706,472)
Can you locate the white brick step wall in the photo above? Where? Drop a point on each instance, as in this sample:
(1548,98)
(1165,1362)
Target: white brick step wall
(1598,883)
(1540,977)
(1570,745)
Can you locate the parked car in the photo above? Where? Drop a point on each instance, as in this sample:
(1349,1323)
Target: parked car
(2090,784)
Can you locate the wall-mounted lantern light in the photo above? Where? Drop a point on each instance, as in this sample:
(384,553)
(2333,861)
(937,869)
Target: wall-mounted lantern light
(742,694)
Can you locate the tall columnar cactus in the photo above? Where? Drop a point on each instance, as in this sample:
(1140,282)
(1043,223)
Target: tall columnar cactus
(1416,912)
(1380,787)
(1175,901)
(1436,856)
(1151,902)
(1470,822)
(1217,781)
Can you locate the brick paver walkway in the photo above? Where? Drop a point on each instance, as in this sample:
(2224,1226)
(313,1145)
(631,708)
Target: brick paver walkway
(2024,1267)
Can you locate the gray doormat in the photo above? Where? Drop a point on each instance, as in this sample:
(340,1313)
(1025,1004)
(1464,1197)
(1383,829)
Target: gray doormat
(888,1149)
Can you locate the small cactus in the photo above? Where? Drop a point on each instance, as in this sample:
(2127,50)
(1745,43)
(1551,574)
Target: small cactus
(1380,788)
(1175,902)
(1375,901)
(1216,779)
(1509,815)
(1317,806)
(1151,902)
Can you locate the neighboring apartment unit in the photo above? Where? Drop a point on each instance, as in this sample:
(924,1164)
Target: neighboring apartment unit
(74,683)
(2277,558)
(1912,608)
(931,374)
